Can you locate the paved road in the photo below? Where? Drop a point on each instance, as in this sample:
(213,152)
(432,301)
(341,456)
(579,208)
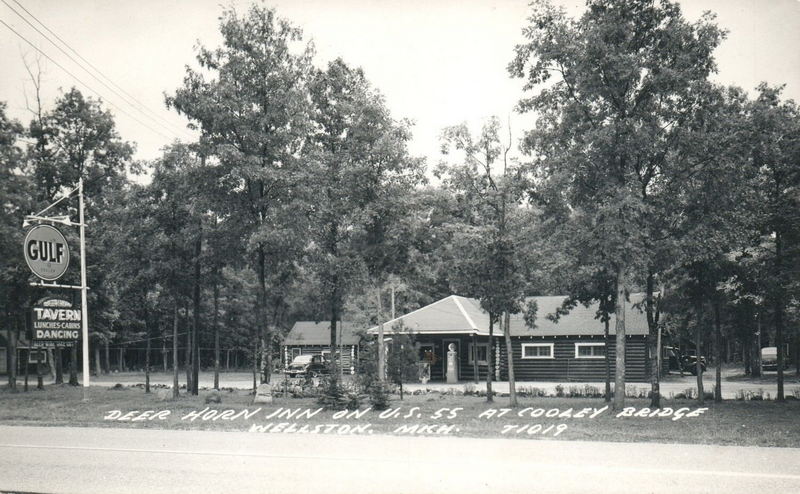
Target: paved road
(92,460)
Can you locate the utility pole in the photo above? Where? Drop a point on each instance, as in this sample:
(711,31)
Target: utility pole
(392,302)
(84,288)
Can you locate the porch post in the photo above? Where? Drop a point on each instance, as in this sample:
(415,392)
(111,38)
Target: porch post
(475,357)
(496,359)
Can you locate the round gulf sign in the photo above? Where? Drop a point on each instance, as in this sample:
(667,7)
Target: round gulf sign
(46,252)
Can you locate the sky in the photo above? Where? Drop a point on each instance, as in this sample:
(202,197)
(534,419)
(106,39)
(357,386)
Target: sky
(437,62)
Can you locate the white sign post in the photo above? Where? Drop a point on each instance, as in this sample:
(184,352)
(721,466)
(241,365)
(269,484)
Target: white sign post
(84,288)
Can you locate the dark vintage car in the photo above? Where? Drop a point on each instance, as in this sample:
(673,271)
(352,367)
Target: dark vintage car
(689,364)
(307,366)
(769,359)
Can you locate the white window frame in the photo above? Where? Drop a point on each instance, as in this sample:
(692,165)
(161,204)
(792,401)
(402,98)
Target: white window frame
(539,357)
(470,354)
(578,345)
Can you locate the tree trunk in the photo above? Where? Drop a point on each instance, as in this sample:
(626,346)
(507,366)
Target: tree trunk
(717,351)
(334,319)
(381,351)
(187,355)
(12,360)
(59,364)
(268,356)
(489,397)
(120,359)
(175,391)
(619,311)
(216,333)
(48,357)
(698,344)
(779,310)
(652,343)
(107,352)
(146,349)
(512,389)
(73,365)
(255,367)
(728,357)
(198,246)
(475,358)
(757,348)
(98,364)
(747,354)
(27,367)
(164,356)
(261,311)
(607,335)
(39,377)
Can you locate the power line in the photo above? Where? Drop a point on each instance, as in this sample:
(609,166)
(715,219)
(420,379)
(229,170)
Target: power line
(23,38)
(155,118)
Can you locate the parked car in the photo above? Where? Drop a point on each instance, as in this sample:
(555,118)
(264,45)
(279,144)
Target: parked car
(689,364)
(307,366)
(769,359)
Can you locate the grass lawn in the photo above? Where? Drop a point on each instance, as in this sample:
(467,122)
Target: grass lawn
(750,423)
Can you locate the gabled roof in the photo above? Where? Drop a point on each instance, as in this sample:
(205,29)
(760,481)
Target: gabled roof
(319,333)
(452,315)
(580,321)
(455,314)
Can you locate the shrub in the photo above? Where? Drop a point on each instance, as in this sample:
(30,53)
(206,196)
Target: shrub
(379,396)
(333,395)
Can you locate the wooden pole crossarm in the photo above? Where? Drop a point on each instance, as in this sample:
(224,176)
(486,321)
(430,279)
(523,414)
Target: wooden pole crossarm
(54,219)
(56,285)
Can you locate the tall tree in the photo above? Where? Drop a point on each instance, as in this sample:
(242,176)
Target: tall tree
(17,191)
(613,84)
(356,173)
(485,250)
(250,102)
(775,128)
(706,209)
(167,204)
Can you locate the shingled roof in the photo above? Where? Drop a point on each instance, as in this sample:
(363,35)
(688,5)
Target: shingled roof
(319,333)
(456,314)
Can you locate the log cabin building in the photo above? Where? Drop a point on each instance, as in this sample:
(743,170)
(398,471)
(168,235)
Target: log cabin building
(314,338)
(569,349)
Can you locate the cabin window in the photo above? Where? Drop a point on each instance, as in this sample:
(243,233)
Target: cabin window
(590,350)
(483,353)
(537,350)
